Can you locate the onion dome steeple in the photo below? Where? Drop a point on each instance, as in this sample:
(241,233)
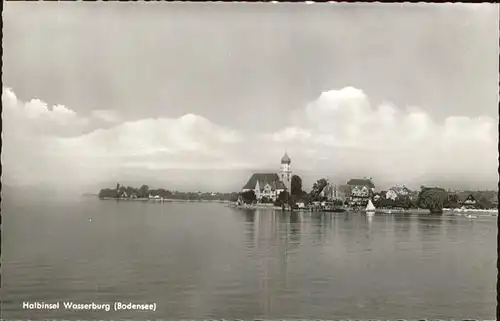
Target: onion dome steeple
(285,159)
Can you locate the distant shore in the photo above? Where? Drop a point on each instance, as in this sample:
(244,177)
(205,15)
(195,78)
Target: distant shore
(159,200)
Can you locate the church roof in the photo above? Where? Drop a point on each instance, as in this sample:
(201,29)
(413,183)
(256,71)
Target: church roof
(361,182)
(285,159)
(263,179)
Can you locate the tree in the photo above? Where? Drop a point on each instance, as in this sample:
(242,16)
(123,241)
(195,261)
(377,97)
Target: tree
(143,191)
(130,191)
(305,197)
(248,196)
(402,201)
(432,199)
(284,197)
(107,192)
(296,186)
(452,201)
(318,186)
(484,203)
(121,190)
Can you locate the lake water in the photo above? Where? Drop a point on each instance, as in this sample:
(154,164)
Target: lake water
(200,261)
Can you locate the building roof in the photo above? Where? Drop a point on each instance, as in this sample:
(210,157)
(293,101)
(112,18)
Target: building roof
(263,179)
(285,159)
(361,182)
(400,189)
(469,197)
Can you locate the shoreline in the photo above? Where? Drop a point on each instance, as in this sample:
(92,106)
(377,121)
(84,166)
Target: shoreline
(278,208)
(459,210)
(159,200)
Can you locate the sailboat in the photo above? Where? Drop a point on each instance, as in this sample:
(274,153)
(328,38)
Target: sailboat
(370,208)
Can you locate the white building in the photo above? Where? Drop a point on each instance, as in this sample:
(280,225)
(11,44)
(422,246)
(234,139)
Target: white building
(396,191)
(361,190)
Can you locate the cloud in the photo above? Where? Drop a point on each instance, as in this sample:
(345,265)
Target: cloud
(55,145)
(109,116)
(390,142)
(146,138)
(339,135)
(36,117)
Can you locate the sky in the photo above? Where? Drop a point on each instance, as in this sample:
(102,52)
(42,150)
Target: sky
(197,96)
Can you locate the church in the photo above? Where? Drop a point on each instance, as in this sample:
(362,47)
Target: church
(270,185)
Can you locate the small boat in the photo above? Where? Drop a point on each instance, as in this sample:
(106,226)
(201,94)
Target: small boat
(470,216)
(370,208)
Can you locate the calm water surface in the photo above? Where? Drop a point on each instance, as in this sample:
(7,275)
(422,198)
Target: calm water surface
(198,260)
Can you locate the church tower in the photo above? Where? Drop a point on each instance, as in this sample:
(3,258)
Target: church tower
(285,172)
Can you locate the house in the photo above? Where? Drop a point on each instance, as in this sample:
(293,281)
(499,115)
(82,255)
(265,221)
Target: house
(266,185)
(469,202)
(360,191)
(396,191)
(270,185)
(391,194)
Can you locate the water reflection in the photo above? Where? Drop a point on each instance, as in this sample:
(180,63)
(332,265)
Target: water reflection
(369,219)
(402,226)
(321,223)
(292,253)
(249,215)
(430,223)
(429,227)
(451,228)
(295,229)
(250,228)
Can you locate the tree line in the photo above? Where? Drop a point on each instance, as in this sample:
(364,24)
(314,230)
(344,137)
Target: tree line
(144,192)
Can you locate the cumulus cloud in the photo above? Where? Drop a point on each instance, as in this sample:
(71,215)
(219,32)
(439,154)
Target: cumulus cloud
(340,134)
(393,143)
(36,117)
(44,145)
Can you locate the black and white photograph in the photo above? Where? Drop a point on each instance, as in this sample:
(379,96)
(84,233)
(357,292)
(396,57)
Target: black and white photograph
(249,161)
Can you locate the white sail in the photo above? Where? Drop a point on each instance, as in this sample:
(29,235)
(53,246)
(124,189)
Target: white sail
(370,207)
